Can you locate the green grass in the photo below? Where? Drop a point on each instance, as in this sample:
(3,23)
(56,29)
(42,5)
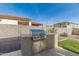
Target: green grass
(69,44)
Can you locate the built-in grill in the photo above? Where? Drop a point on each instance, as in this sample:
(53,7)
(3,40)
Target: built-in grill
(38,34)
(38,37)
(37,42)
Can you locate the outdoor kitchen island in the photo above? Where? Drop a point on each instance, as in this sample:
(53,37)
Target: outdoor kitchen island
(31,47)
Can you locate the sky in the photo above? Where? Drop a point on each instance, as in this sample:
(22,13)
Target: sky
(46,13)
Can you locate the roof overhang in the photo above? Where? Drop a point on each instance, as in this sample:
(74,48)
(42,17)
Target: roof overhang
(14,17)
(36,24)
(21,20)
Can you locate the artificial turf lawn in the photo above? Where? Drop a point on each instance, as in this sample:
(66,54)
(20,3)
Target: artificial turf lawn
(70,44)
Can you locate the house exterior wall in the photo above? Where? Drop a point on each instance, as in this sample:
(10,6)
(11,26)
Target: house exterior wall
(13,30)
(9,38)
(8,28)
(68,29)
(64,30)
(8,31)
(73,29)
(61,30)
(24,30)
(74,25)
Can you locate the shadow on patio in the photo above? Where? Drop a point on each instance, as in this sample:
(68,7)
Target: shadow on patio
(50,52)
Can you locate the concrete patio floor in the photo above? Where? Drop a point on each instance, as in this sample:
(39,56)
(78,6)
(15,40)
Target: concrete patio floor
(57,52)
(51,52)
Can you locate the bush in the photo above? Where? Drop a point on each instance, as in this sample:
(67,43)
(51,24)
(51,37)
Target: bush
(52,30)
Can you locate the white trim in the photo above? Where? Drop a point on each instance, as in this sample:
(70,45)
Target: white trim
(11,22)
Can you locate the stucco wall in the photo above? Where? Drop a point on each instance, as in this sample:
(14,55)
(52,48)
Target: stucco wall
(67,30)
(26,42)
(9,38)
(8,31)
(24,30)
(75,31)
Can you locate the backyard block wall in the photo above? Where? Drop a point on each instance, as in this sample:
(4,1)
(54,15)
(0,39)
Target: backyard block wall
(75,31)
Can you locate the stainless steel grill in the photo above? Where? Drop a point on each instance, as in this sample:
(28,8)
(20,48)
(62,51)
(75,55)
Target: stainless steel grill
(38,34)
(38,37)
